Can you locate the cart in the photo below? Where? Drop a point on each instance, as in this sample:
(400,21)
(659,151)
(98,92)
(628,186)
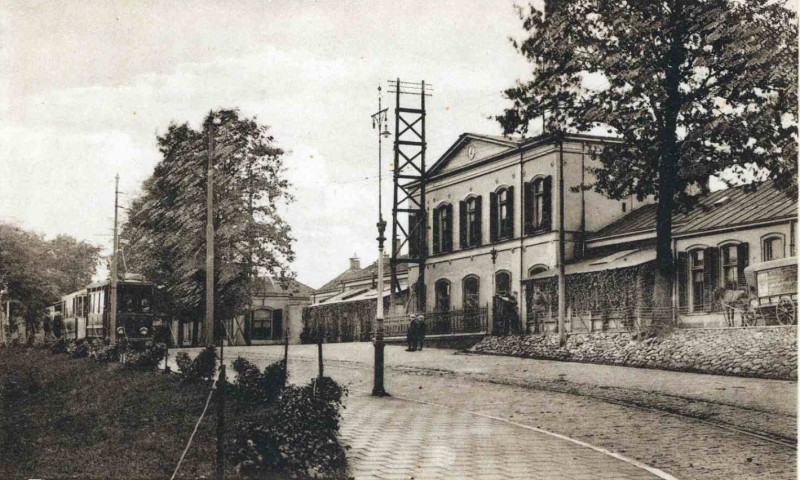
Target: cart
(771,293)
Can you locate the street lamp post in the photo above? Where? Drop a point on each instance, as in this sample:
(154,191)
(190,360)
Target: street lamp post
(379,121)
(493,252)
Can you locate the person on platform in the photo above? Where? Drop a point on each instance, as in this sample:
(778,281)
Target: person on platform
(421,327)
(411,335)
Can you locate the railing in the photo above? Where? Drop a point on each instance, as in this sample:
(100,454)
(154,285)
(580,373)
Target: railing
(640,319)
(451,322)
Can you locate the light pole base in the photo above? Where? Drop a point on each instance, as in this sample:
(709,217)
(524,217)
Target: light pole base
(377,388)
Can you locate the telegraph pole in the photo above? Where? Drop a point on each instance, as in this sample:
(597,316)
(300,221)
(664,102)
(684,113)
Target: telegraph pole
(112,323)
(562,281)
(379,120)
(208,324)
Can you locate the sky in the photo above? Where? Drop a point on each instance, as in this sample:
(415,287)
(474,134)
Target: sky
(87,86)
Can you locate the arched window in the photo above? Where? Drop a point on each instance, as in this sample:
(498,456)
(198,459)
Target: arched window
(502,214)
(734,257)
(502,283)
(442,295)
(470,222)
(443,228)
(471,288)
(772,247)
(538,205)
(536,269)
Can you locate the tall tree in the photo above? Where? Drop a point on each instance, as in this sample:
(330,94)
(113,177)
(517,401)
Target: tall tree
(691,88)
(36,271)
(164,235)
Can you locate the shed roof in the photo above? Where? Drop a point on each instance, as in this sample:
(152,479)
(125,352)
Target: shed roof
(736,206)
(623,259)
(355,275)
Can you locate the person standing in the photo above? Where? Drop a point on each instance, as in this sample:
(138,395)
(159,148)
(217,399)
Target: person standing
(411,334)
(421,327)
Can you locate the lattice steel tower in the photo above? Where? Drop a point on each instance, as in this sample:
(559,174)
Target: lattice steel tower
(409,183)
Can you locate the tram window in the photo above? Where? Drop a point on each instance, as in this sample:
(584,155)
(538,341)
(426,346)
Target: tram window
(135,300)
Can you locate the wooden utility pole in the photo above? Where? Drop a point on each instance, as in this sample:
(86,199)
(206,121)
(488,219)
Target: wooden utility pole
(562,281)
(112,322)
(208,324)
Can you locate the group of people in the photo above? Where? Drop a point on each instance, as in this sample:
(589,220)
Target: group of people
(416,333)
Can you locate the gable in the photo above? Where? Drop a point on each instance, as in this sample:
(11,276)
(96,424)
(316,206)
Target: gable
(471,149)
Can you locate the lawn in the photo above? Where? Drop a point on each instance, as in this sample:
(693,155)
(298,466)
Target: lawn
(80,418)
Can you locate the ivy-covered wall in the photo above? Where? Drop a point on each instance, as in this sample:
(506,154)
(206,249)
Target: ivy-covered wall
(622,296)
(340,322)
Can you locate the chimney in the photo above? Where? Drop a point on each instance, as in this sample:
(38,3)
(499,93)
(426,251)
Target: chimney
(355,262)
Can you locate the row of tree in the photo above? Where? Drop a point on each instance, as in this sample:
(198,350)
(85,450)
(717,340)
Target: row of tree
(35,272)
(690,88)
(164,235)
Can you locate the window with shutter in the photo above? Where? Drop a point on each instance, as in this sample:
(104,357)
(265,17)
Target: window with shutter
(698,280)
(528,207)
(414,240)
(478,230)
(463,230)
(683,281)
(504,212)
(710,282)
(447,245)
(436,232)
(743,259)
(547,204)
(277,324)
(493,221)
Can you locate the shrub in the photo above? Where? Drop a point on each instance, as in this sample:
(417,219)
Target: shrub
(147,358)
(59,346)
(79,349)
(302,441)
(252,385)
(202,367)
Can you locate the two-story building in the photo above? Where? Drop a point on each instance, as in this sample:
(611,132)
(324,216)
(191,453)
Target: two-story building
(495,206)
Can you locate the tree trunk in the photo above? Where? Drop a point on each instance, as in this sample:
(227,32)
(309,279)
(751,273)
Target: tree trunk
(668,178)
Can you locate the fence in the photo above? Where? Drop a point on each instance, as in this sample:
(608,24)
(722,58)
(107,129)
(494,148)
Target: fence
(639,319)
(473,320)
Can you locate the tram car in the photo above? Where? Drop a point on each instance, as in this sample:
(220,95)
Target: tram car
(86,313)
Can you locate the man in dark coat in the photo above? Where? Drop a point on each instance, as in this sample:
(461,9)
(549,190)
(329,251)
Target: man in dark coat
(421,327)
(411,335)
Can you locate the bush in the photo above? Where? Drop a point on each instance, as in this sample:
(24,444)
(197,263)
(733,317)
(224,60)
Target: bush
(252,385)
(59,346)
(79,349)
(302,441)
(145,359)
(202,367)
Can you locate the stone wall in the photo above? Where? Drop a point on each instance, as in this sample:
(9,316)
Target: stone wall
(765,352)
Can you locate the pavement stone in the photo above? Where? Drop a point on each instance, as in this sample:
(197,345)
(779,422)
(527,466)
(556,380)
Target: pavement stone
(420,440)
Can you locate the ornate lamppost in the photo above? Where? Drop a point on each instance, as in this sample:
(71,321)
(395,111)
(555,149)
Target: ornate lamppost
(379,120)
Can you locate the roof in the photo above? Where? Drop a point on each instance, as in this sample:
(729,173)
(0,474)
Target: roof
(736,206)
(356,275)
(267,286)
(616,260)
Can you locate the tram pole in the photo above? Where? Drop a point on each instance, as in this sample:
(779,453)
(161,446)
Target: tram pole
(112,322)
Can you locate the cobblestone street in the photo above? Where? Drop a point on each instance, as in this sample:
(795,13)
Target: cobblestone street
(687,425)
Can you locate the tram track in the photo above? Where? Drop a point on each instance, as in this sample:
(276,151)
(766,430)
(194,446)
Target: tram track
(569,388)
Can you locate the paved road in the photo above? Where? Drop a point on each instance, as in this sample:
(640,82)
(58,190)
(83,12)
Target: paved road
(598,405)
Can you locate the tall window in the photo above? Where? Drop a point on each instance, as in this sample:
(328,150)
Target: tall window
(443,228)
(442,296)
(470,222)
(698,279)
(502,214)
(538,205)
(472,287)
(772,248)
(729,263)
(502,283)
